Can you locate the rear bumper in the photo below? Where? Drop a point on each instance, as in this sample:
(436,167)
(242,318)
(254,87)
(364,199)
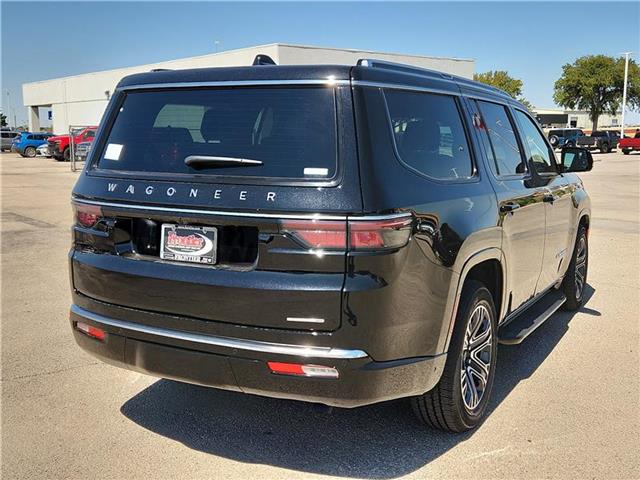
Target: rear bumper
(241,365)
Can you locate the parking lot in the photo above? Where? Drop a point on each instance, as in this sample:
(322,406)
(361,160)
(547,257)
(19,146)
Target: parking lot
(565,402)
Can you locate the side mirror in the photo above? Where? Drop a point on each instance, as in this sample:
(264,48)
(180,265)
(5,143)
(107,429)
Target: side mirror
(576,159)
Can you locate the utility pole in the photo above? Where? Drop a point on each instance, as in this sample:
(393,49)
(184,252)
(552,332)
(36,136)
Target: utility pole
(624,89)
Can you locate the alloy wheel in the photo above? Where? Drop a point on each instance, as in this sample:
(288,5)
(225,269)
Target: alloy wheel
(581,266)
(475,361)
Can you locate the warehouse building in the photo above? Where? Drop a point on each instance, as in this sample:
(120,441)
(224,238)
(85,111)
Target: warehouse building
(559,118)
(81,99)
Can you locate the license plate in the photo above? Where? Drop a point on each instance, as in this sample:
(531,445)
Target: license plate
(191,244)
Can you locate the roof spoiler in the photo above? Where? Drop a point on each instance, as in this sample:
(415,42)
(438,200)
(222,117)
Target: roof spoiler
(263,60)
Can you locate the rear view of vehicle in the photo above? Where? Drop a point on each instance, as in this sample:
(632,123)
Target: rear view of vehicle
(216,223)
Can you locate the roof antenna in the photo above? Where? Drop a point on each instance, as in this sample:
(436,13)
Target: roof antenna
(263,60)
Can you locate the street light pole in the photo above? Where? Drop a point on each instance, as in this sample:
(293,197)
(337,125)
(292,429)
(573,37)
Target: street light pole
(624,89)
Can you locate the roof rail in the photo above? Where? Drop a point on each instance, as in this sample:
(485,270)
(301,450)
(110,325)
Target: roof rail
(403,68)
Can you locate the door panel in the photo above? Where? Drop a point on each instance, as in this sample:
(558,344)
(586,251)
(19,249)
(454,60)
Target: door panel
(558,199)
(521,200)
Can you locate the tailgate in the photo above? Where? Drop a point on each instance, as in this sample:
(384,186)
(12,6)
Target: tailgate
(262,275)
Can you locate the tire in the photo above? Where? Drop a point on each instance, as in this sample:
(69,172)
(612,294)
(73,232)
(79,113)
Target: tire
(626,151)
(66,155)
(605,148)
(446,407)
(29,152)
(575,280)
(570,144)
(553,140)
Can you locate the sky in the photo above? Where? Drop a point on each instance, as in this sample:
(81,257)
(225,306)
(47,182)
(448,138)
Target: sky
(532,41)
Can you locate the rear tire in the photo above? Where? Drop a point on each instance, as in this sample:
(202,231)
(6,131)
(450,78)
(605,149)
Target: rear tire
(66,155)
(459,401)
(626,151)
(554,140)
(605,148)
(30,152)
(575,280)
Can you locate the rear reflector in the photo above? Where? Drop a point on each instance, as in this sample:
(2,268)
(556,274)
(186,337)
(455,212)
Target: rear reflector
(362,234)
(303,370)
(87,215)
(91,331)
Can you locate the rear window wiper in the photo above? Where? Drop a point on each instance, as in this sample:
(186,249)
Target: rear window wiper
(205,161)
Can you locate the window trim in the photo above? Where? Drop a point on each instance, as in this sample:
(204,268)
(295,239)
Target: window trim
(465,127)
(102,133)
(546,141)
(527,175)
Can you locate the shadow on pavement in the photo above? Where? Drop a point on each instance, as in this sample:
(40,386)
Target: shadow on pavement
(378,441)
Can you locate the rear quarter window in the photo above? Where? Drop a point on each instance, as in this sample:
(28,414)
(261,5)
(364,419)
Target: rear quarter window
(429,134)
(292,131)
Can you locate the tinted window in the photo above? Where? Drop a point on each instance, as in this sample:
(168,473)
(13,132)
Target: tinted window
(429,134)
(504,152)
(292,131)
(30,137)
(599,134)
(535,145)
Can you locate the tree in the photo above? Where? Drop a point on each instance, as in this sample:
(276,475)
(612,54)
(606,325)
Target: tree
(504,81)
(3,120)
(594,83)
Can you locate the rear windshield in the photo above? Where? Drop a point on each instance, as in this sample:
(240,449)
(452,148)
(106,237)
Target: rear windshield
(284,132)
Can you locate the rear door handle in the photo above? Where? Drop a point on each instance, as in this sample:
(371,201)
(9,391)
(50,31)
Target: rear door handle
(509,207)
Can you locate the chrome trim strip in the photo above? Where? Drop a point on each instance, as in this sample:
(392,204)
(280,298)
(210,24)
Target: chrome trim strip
(238,83)
(227,342)
(305,320)
(399,86)
(288,216)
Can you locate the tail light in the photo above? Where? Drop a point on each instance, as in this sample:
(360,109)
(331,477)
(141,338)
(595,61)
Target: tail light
(87,215)
(354,234)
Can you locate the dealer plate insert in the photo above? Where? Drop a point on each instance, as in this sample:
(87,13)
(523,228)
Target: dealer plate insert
(186,243)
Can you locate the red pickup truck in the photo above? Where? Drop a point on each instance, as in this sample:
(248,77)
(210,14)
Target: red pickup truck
(59,145)
(628,144)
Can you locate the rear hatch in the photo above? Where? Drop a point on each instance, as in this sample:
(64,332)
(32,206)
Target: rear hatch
(221,203)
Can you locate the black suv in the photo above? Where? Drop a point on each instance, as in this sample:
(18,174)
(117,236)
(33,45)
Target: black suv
(335,234)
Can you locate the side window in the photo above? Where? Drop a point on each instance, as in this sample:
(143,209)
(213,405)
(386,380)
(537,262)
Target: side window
(429,134)
(504,152)
(536,148)
(30,137)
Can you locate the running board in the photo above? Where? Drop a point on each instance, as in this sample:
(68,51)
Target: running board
(516,330)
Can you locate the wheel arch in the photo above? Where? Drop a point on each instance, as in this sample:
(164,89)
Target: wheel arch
(487,266)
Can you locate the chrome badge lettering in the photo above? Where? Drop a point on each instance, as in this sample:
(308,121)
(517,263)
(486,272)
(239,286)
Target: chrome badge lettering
(243,195)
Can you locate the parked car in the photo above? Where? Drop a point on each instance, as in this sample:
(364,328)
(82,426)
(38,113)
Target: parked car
(43,151)
(564,137)
(82,150)
(254,242)
(603,140)
(7,139)
(26,143)
(628,145)
(59,147)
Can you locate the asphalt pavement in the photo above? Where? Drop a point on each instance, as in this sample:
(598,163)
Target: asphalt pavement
(566,402)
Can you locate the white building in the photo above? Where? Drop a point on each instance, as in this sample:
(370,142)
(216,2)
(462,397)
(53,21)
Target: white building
(81,99)
(559,118)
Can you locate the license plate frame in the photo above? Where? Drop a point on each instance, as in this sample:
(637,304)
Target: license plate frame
(194,244)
